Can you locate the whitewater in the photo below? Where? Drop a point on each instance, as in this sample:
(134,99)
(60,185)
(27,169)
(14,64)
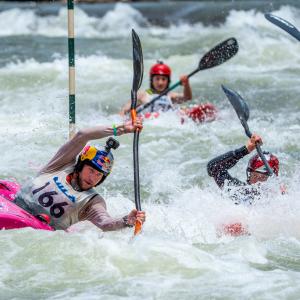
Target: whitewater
(181,253)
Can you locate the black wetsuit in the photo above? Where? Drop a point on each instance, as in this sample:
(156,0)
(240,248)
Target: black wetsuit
(218,169)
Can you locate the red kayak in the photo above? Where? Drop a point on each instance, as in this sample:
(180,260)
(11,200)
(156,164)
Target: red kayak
(200,113)
(13,216)
(233,229)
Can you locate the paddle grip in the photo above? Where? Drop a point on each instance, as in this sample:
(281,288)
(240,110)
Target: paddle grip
(133,115)
(137,227)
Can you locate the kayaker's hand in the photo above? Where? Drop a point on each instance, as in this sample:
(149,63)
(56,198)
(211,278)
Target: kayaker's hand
(129,127)
(136,215)
(184,80)
(253,141)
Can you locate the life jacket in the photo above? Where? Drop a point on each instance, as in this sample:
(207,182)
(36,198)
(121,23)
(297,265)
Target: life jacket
(53,195)
(164,103)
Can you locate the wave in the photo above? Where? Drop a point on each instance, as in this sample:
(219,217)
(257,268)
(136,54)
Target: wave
(118,22)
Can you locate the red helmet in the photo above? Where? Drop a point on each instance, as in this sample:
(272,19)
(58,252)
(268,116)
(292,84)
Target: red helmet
(256,164)
(160,69)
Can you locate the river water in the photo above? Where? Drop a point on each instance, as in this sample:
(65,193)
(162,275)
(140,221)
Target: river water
(181,253)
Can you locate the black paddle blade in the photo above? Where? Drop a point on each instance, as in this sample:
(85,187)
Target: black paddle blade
(238,103)
(242,110)
(285,25)
(138,65)
(240,106)
(219,54)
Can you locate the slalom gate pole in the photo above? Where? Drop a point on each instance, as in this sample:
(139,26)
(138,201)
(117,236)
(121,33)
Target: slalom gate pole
(71,51)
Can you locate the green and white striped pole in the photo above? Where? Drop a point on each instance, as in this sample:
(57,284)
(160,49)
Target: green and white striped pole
(71,49)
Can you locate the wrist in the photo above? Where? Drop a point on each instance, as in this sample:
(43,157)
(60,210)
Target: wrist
(125,222)
(249,148)
(117,130)
(121,129)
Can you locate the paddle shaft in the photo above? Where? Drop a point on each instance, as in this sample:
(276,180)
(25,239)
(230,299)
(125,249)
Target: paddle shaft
(258,148)
(214,57)
(242,110)
(137,198)
(138,69)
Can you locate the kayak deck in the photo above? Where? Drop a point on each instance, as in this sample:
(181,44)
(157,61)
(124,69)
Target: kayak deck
(11,215)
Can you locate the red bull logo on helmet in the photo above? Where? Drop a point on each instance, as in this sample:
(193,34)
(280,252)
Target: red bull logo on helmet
(88,152)
(104,162)
(106,159)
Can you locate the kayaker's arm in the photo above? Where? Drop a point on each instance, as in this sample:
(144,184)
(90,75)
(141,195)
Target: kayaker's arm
(68,152)
(187,92)
(219,166)
(95,212)
(141,99)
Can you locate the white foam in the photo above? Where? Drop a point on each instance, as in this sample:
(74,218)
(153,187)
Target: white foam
(182,252)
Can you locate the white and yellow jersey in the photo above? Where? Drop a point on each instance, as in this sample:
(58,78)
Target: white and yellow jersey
(52,194)
(164,103)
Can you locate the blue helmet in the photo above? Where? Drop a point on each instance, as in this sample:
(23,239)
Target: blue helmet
(101,160)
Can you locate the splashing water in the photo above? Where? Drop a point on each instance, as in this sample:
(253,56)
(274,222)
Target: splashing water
(181,254)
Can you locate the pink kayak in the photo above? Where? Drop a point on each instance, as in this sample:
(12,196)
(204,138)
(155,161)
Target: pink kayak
(13,216)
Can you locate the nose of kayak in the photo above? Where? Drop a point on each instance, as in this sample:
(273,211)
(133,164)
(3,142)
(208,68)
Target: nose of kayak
(9,189)
(14,217)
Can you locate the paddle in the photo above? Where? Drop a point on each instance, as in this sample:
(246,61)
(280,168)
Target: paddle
(138,69)
(285,25)
(242,110)
(214,57)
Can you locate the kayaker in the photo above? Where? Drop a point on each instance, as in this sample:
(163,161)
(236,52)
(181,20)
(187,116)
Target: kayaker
(256,171)
(160,78)
(64,188)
